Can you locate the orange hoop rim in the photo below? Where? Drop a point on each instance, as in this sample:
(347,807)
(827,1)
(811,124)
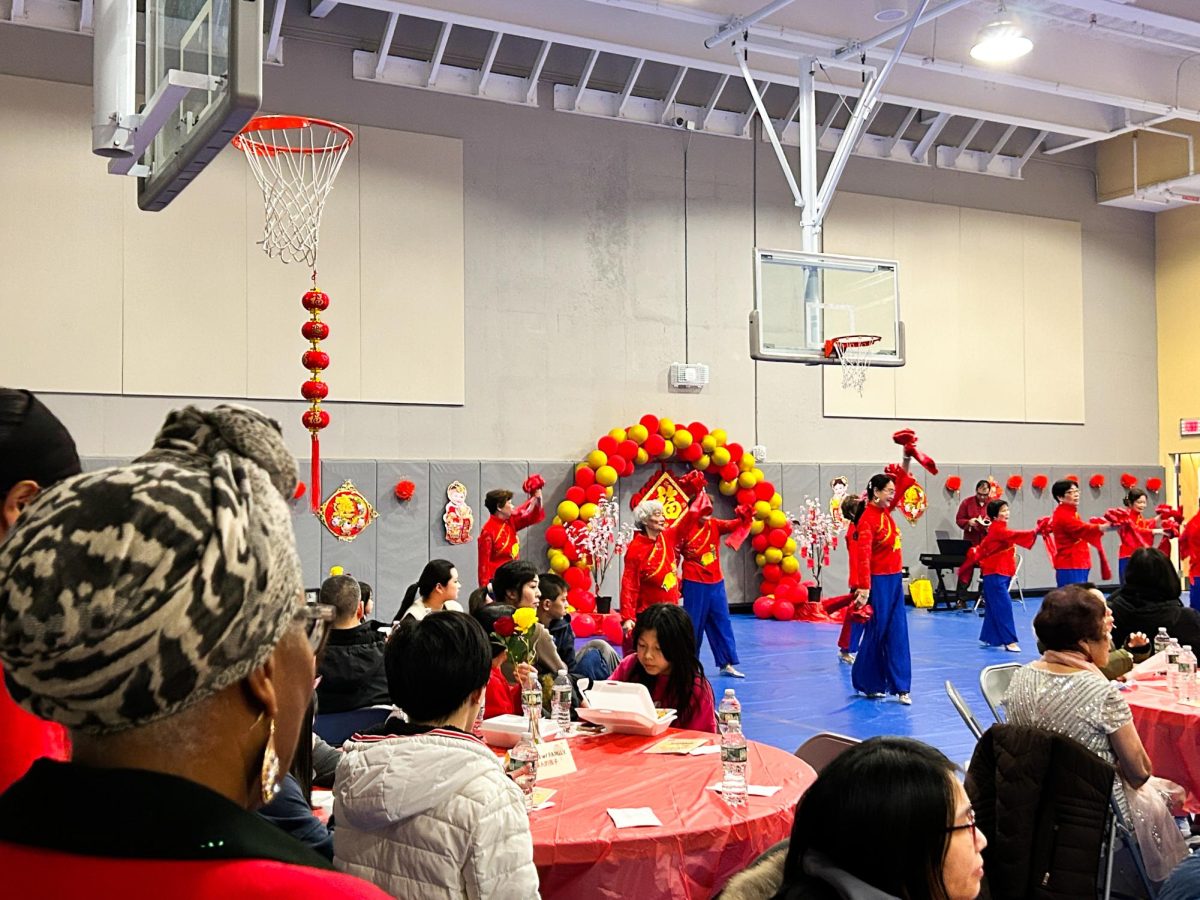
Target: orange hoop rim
(850,341)
(243,140)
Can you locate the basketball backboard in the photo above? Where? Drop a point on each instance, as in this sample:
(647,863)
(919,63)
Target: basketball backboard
(804,300)
(202,83)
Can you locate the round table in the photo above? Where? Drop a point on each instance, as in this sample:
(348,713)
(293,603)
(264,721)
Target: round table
(1170,732)
(702,841)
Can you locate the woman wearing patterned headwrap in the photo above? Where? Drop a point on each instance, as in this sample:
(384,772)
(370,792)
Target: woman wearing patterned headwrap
(156,611)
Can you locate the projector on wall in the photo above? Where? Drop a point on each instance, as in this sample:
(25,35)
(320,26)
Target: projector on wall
(687,377)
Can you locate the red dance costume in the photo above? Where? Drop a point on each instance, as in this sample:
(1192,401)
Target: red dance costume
(1073,540)
(1135,532)
(1189,545)
(701,550)
(853,616)
(996,554)
(498,542)
(877,536)
(650,575)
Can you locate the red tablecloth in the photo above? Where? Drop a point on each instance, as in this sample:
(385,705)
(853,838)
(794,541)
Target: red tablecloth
(1170,732)
(702,842)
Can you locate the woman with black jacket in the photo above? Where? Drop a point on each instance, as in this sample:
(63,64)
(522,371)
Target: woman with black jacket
(1149,600)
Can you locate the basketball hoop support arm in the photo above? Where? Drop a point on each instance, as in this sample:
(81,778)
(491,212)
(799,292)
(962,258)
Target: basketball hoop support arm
(145,125)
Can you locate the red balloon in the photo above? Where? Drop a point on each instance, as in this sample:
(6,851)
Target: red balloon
(577,578)
(654,444)
(730,472)
(784,610)
(691,453)
(745,497)
(787,590)
(594,493)
(764,607)
(585,476)
(735,452)
(777,537)
(650,423)
(570,552)
(619,463)
(583,624)
(556,535)
(764,490)
(698,431)
(576,495)
(611,628)
(771,572)
(759,543)
(628,448)
(608,444)
(583,601)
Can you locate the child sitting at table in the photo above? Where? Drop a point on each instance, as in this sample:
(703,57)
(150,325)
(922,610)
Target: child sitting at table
(666,662)
(502,697)
(426,810)
(597,659)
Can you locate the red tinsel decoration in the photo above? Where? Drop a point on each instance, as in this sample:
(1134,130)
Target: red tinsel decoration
(1154,485)
(953,483)
(1096,481)
(1128,481)
(1074,478)
(1014,482)
(1040,482)
(405,490)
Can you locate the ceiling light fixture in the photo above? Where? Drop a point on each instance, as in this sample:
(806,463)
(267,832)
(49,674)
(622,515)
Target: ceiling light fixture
(890,10)
(1001,40)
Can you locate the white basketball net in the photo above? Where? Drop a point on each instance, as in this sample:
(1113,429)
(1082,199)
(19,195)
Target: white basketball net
(294,165)
(853,353)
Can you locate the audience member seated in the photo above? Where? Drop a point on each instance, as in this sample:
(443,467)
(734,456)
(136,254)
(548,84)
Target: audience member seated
(157,610)
(597,659)
(1121,660)
(352,673)
(1066,693)
(516,584)
(292,809)
(1184,882)
(503,697)
(436,589)
(368,602)
(426,811)
(36,451)
(666,662)
(885,786)
(479,598)
(1149,600)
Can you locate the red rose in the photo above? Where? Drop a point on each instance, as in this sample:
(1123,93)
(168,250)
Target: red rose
(505,627)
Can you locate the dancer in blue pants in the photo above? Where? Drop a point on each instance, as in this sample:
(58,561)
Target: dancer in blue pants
(996,556)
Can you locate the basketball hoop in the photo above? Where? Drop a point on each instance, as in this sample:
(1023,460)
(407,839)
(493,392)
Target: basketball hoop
(853,353)
(294,160)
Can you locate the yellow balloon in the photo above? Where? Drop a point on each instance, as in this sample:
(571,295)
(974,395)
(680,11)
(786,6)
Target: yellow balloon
(608,492)
(719,436)
(762,509)
(776,518)
(641,457)
(617,434)
(597,458)
(666,428)
(638,433)
(720,456)
(773,554)
(588,510)
(776,501)
(760,559)
(556,520)
(758,473)
(747,480)
(728,488)
(560,564)
(708,443)
(789,548)
(746,463)
(668,451)
(757,526)
(568,511)
(606,475)
(790,565)
(701,464)
(682,439)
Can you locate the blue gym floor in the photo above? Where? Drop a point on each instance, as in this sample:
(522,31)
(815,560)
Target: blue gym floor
(795,686)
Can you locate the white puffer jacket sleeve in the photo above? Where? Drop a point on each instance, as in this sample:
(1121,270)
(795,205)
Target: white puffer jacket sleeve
(498,865)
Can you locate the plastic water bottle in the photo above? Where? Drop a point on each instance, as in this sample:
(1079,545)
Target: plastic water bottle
(531,696)
(477,727)
(730,710)
(1173,651)
(1187,674)
(1161,640)
(560,701)
(735,763)
(522,766)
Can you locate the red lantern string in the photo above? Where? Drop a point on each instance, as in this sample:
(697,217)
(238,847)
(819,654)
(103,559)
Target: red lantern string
(314,389)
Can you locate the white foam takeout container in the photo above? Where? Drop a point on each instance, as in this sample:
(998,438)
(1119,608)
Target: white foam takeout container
(505,731)
(625,708)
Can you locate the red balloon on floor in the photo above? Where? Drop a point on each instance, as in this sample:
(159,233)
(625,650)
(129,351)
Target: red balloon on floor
(611,628)
(583,624)
(784,611)
(764,607)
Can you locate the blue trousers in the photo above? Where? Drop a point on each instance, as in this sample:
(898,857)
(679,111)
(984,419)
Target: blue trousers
(1122,565)
(1194,593)
(998,625)
(709,609)
(884,664)
(1063,577)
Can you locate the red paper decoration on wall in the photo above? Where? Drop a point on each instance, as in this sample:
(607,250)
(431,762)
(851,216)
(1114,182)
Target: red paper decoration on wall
(1096,481)
(1154,485)
(1039,482)
(953,483)
(404,490)
(1128,481)
(1014,482)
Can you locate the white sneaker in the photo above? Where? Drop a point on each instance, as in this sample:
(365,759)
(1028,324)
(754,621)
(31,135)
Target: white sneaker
(906,699)
(847,658)
(1012,648)
(731,671)
(875,695)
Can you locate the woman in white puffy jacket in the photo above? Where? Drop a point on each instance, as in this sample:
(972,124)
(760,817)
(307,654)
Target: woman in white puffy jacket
(426,811)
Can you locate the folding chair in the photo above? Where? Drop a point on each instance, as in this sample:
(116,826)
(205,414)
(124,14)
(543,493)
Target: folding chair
(1118,829)
(963,710)
(822,749)
(993,682)
(337,728)
(1016,583)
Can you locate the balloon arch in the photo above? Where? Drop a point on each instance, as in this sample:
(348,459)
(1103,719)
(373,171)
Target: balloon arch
(620,453)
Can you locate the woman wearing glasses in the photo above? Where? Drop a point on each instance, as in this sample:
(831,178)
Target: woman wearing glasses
(889,786)
(156,610)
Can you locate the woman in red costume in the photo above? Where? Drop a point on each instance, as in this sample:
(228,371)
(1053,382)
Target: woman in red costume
(1135,530)
(651,574)
(856,617)
(996,556)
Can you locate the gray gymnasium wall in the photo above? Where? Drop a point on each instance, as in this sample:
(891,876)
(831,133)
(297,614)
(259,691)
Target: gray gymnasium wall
(392,551)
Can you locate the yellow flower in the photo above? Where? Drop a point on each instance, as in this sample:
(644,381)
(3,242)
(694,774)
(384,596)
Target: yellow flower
(524,619)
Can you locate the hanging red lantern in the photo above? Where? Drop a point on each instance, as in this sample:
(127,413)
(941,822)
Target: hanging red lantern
(953,483)
(1014,483)
(1096,482)
(314,389)
(1039,482)
(1154,485)
(1128,481)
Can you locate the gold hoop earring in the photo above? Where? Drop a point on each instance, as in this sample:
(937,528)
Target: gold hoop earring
(270,767)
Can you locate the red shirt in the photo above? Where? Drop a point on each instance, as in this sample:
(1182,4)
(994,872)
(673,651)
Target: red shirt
(1189,544)
(853,551)
(1137,534)
(649,575)
(702,550)
(878,538)
(997,553)
(703,716)
(501,698)
(1072,537)
(498,541)
(969,509)
(24,737)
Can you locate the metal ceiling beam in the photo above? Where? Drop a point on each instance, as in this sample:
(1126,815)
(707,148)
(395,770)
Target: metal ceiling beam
(439,52)
(856,47)
(1137,14)
(672,93)
(385,42)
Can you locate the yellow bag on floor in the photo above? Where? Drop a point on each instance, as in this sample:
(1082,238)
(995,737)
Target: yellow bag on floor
(921,592)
